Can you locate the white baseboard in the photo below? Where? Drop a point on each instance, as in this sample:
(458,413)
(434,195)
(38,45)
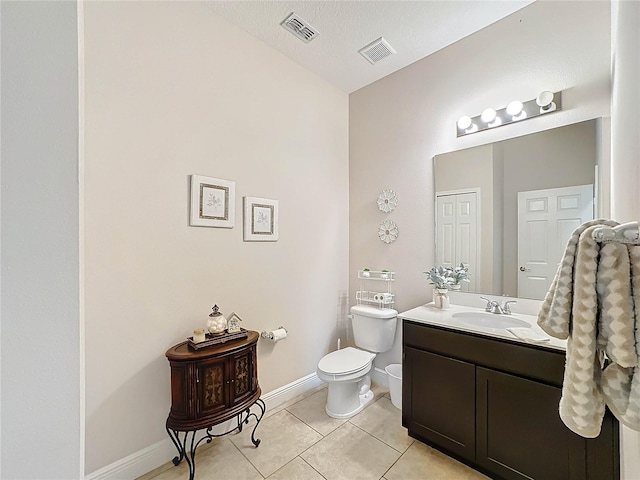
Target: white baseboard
(156,455)
(137,463)
(291,390)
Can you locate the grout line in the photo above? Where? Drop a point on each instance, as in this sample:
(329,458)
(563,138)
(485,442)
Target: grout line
(312,467)
(245,457)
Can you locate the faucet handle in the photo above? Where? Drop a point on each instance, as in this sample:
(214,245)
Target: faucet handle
(506,308)
(487,308)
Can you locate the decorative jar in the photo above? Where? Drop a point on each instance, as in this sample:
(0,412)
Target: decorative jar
(216,322)
(441,297)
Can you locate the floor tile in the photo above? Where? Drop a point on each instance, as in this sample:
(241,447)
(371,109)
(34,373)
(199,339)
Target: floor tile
(221,460)
(296,469)
(284,405)
(350,453)
(421,462)
(311,411)
(224,460)
(283,437)
(384,421)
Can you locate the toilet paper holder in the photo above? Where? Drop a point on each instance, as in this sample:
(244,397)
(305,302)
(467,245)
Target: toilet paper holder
(274,335)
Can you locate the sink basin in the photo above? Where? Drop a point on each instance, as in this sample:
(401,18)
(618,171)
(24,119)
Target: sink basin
(489,320)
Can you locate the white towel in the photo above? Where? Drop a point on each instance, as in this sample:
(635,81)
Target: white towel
(528,335)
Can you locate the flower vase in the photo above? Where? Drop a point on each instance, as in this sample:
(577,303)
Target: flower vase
(441,298)
(455,287)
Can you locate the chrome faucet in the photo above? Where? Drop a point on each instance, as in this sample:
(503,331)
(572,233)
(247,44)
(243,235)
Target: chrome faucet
(494,307)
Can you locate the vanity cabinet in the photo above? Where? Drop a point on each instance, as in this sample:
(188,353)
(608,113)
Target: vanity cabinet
(493,404)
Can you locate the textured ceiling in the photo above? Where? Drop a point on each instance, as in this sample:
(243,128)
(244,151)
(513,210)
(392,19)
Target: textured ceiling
(415,29)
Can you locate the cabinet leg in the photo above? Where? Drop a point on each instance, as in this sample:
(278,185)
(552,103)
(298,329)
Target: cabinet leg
(261,405)
(181,446)
(175,438)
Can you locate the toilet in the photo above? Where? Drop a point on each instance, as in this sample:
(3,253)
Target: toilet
(347,371)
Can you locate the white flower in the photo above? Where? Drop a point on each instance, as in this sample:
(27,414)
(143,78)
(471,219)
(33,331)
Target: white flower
(388,231)
(387,201)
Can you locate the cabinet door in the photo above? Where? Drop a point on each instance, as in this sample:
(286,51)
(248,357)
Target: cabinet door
(519,432)
(442,401)
(213,387)
(242,375)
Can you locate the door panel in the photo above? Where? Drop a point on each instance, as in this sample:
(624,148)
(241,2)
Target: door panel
(442,401)
(508,408)
(546,219)
(457,239)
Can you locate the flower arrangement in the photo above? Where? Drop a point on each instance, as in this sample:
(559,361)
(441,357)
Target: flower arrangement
(439,278)
(459,274)
(447,277)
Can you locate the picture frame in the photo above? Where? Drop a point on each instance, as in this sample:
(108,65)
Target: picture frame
(260,219)
(213,202)
(233,323)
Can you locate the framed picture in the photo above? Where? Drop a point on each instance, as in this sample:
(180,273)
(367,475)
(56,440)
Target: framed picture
(213,202)
(260,219)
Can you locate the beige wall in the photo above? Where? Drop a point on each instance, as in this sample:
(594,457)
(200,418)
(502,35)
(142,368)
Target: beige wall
(400,122)
(171,90)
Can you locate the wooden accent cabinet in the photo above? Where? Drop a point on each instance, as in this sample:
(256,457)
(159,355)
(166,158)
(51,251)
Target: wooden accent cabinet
(211,386)
(493,404)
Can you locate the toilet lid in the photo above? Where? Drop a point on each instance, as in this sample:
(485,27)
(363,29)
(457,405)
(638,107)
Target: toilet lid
(347,360)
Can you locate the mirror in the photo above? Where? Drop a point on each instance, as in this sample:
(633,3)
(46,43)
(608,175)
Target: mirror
(507,209)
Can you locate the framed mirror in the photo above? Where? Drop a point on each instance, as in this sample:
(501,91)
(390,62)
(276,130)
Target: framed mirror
(506,209)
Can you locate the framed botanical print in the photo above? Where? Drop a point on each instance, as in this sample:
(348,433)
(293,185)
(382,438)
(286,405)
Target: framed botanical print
(260,219)
(212,202)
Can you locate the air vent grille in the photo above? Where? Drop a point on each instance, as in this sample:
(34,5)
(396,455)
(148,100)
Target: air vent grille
(377,50)
(299,28)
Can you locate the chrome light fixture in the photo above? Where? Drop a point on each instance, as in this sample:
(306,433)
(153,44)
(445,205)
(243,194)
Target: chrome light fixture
(515,111)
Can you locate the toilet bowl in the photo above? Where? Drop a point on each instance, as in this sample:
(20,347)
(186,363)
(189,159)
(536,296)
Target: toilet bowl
(347,373)
(347,370)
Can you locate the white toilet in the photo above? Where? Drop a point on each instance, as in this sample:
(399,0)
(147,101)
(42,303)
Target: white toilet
(347,370)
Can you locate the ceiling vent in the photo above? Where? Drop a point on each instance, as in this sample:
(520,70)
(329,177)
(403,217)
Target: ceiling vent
(377,50)
(299,28)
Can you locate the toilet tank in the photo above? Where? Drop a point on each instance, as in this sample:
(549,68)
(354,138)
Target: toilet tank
(374,329)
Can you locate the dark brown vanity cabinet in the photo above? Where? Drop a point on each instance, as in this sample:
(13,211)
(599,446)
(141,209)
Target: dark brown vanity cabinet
(494,404)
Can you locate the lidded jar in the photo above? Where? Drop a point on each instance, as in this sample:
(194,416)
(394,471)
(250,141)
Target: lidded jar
(216,323)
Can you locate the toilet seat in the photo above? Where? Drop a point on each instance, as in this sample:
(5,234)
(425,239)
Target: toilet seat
(346,361)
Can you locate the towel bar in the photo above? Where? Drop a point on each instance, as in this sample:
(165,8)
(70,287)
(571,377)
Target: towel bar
(625,233)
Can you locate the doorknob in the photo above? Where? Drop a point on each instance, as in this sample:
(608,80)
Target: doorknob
(524,269)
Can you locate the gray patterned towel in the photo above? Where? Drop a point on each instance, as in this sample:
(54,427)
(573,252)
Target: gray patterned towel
(620,385)
(556,311)
(594,302)
(582,402)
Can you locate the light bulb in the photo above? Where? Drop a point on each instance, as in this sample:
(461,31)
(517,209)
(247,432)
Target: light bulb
(488,115)
(545,102)
(464,122)
(514,108)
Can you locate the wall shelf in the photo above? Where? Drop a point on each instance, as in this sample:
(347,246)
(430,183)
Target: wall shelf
(380,299)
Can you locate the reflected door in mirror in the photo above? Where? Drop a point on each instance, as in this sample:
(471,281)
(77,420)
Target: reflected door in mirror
(457,234)
(546,219)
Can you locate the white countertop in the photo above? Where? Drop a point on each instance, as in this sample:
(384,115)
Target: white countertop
(430,315)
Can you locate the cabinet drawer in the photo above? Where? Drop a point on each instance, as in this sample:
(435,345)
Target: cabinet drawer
(498,354)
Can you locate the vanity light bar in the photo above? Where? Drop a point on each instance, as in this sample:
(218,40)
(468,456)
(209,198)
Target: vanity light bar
(516,111)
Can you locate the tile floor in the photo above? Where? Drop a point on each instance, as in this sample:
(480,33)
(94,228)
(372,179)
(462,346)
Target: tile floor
(300,442)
